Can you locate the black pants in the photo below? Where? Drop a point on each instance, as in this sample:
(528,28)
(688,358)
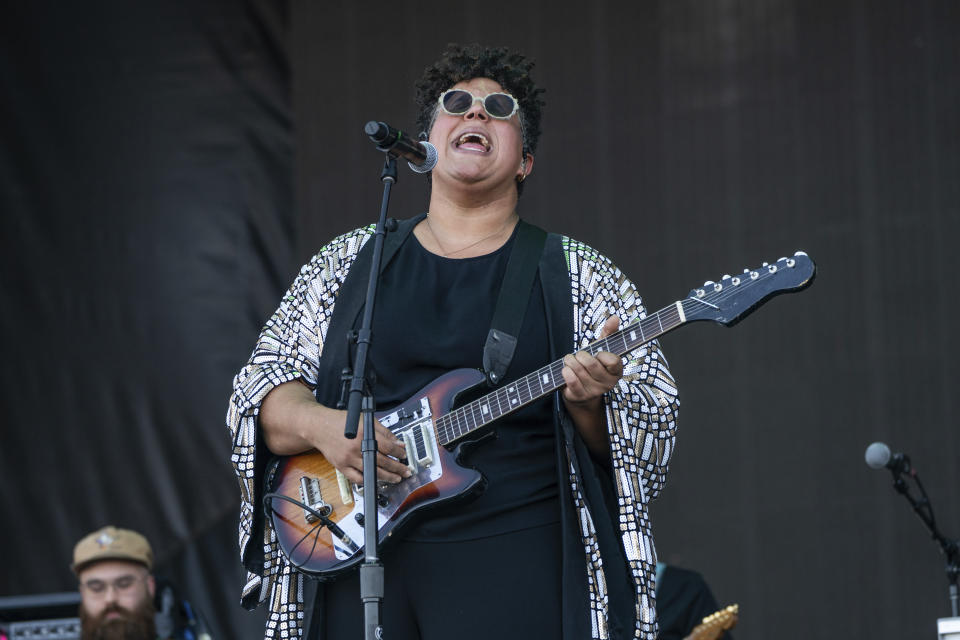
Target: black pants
(504,587)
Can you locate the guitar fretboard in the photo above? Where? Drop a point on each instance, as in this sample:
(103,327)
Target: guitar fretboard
(521,392)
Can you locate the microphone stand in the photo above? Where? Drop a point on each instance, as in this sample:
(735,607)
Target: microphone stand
(924,510)
(361,399)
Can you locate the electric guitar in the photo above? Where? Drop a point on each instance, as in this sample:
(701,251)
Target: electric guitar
(318,514)
(713,626)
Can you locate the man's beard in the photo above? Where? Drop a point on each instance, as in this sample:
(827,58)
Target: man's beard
(129,625)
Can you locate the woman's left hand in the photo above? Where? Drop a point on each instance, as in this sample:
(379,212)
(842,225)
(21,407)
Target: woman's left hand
(589,377)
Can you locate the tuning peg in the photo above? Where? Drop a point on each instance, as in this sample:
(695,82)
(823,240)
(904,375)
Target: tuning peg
(765,264)
(726,276)
(800,253)
(708,283)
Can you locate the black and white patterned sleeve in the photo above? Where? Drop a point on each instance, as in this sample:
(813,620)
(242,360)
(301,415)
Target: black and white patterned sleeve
(642,423)
(288,348)
(642,409)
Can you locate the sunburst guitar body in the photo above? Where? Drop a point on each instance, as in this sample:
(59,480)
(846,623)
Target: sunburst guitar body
(326,537)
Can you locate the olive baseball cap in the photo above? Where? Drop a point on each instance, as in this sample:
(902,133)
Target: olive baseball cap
(111,543)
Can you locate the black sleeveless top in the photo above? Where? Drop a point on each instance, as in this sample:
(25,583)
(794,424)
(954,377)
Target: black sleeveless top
(433,315)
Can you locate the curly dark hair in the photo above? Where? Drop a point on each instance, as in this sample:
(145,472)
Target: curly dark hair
(465,62)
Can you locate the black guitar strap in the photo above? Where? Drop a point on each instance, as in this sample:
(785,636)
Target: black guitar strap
(512,301)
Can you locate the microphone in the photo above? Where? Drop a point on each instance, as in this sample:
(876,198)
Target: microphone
(878,456)
(420,156)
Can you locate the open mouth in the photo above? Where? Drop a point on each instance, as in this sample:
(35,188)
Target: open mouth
(473,141)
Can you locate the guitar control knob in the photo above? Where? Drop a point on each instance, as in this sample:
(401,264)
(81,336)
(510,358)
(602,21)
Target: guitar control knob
(382,500)
(359,519)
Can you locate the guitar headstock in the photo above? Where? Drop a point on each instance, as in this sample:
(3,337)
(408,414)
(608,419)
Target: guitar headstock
(733,297)
(713,626)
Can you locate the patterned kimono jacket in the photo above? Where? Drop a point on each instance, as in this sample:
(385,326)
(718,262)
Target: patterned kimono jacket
(609,557)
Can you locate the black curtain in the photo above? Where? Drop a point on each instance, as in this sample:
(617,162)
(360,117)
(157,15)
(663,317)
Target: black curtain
(147,228)
(154,211)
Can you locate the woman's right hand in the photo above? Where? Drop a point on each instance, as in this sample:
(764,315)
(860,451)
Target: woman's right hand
(292,422)
(346,455)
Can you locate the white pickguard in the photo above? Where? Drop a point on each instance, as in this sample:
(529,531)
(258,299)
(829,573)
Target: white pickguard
(395,493)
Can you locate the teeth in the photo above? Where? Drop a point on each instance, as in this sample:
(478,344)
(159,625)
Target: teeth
(474,137)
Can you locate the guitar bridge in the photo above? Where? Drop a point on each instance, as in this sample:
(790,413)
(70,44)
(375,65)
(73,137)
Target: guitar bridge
(311,495)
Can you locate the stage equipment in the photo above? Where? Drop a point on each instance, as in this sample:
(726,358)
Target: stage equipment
(948,629)
(878,456)
(52,616)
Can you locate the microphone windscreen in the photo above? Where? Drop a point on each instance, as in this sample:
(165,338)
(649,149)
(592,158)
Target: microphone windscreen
(377,131)
(431,160)
(877,455)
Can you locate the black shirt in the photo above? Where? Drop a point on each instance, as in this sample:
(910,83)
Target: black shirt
(432,316)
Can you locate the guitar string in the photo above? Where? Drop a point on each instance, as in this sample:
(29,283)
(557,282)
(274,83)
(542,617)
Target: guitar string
(457,423)
(451,424)
(535,391)
(451,421)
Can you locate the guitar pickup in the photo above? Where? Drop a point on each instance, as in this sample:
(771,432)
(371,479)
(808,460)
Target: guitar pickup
(346,493)
(419,442)
(311,495)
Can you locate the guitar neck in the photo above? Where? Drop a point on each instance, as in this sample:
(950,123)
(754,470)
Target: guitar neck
(521,392)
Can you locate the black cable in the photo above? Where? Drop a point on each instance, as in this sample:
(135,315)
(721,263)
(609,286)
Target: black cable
(323,520)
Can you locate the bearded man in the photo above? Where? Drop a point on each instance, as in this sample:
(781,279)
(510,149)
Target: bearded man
(117,587)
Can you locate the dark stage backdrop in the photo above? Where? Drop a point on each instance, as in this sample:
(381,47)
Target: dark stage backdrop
(167,167)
